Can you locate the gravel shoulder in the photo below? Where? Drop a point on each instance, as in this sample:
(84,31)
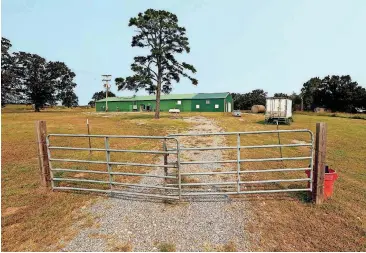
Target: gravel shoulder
(200,224)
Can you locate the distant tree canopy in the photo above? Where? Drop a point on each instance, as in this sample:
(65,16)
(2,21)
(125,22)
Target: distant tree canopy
(247,100)
(100,95)
(7,73)
(280,95)
(157,30)
(29,78)
(338,93)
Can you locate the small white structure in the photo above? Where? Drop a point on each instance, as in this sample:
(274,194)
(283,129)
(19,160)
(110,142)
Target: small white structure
(278,110)
(237,113)
(174,110)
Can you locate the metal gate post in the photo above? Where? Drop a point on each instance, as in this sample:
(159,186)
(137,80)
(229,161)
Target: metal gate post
(238,163)
(108,159)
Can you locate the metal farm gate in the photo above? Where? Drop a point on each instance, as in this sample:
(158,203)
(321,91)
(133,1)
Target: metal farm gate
(111,176)
(173,174)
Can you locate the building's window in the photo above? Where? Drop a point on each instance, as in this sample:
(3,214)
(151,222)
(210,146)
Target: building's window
(179,102)
(207,102)
(216,106)
(197,106)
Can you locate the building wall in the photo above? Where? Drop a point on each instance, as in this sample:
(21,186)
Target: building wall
(229,99)
(204,107)
(187,105)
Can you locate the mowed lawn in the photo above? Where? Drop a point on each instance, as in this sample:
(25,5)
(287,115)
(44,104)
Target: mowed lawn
(292,224)
(33,218)
(36,219)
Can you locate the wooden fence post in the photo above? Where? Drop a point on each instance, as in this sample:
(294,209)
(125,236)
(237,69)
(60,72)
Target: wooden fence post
(319,166)
(41,131)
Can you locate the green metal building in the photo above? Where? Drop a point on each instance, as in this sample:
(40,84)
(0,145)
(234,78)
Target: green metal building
(198,102)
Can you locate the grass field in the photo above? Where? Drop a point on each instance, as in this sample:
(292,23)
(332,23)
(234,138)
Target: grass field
(292,224)
(34,219)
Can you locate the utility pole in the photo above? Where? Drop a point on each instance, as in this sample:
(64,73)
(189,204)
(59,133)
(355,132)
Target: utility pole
(106,79)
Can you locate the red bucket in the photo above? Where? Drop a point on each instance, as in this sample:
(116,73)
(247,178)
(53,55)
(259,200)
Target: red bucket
(330,177)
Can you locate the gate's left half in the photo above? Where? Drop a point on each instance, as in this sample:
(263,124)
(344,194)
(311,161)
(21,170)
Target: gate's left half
(114,164)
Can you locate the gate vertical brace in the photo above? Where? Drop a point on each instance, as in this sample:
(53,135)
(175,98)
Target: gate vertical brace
(179,175)
(44,163)
(311,165)
(319,167)
(238,164)
(49,162)
(108,159)
(165,162)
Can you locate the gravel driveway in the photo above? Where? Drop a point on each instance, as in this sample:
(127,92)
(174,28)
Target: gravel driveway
(206,224)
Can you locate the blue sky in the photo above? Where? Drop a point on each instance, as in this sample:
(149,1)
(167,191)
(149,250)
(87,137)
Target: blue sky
(236,46)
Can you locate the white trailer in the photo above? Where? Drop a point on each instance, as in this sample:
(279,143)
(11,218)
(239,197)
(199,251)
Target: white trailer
(278,110)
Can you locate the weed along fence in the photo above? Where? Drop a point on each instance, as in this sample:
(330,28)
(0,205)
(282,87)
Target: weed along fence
(165,166)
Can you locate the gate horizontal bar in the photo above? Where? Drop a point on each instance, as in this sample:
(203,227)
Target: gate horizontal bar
(251,160)
(112,173)
(117,192)
(80,189)
(243,192)
(244,147)
(274,170)
(273,191)
(276,159)
(145,185)
(203,184)
(250,132)
(112,163)
(80,171)
(139,174)
(275,181)
(115,136)
(112,150)
(80,180)
(205,162)
(114,183)
(208,173)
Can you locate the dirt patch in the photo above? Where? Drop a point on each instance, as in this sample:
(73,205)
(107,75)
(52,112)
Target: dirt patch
(12,210)
(80,175)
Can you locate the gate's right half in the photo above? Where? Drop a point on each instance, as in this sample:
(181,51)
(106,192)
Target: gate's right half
(246,162)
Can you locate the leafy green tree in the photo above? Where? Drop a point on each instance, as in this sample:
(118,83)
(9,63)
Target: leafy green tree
(308,91)
(280,95)
(296,100)
(43,82)
(100,95)
(338,93)
(8,77)
(69,99)
(157,30)
(247,100)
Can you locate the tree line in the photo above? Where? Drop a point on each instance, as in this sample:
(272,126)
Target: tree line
(336,93)
(28,78)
